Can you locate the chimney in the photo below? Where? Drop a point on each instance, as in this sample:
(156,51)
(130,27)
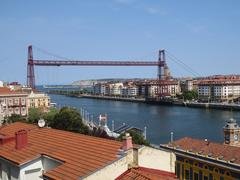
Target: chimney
(21,139)
(127,142)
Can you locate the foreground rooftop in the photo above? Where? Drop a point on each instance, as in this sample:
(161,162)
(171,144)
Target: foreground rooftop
(80,154)
(205,148)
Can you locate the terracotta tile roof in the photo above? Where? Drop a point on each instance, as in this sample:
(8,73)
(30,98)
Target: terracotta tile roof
(208,148)
(219,81)
(6,91)
(9,130)
(81,154)
(141,173)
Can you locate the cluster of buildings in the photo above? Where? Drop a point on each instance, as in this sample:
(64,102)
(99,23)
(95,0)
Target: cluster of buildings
(16,99)
(128,89)
(169,88)
(210,89)
(31,152)
(219,89)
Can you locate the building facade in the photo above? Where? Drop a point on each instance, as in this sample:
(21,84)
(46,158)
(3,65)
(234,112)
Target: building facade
(205,160)
(38,100)
(218,90)
(13,102)
(101,89)
(129,91)
(115,89)
(159,89)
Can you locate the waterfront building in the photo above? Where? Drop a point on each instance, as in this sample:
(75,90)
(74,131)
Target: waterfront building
(206,160)
(129,91)
(187,85)
(12,102)
(115,89)
(38,100)
(31,152)
(101,89)
(165,88)
(219,90)
(156,88)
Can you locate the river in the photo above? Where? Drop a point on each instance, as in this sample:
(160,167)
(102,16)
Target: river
(159,120)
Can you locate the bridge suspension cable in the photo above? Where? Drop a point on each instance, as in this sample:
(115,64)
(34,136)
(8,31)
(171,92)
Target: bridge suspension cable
(182,64)
(50,53)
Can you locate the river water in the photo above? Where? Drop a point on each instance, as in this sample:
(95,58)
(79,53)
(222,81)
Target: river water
(159,120)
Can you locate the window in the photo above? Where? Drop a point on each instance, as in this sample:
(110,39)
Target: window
(178,170)
(187,174)
(205,178)
(195,176)
(227,173)
(210,176)
(32,171)
(196,164)
(182,170)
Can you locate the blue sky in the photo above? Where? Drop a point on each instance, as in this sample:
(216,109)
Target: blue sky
(204,34)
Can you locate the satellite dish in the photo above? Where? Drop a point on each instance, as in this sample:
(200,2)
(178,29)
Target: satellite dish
(41,123)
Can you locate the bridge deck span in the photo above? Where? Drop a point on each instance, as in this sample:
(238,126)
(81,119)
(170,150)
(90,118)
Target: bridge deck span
(95,63)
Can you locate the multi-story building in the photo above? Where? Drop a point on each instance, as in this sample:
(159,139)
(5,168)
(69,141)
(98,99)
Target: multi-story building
(187,85)
(38,100)
(101,89)
(206,160)
(219,90)
(162,88)
(13,102)
(115,89)
(129,91)
(29,152)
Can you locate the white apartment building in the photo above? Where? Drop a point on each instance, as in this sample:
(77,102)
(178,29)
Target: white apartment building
(189,85)
(218,90)
(101,89)
(204,90)
(115,89)
(129,91)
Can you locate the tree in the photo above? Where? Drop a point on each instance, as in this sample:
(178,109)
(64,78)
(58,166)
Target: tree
(69,119)
(137,138)
(34,114)
(49,116)
(190,95)
(14,118)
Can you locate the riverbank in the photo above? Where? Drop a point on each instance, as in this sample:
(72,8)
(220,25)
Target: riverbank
(112,98)
(169,102)
(232,107)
